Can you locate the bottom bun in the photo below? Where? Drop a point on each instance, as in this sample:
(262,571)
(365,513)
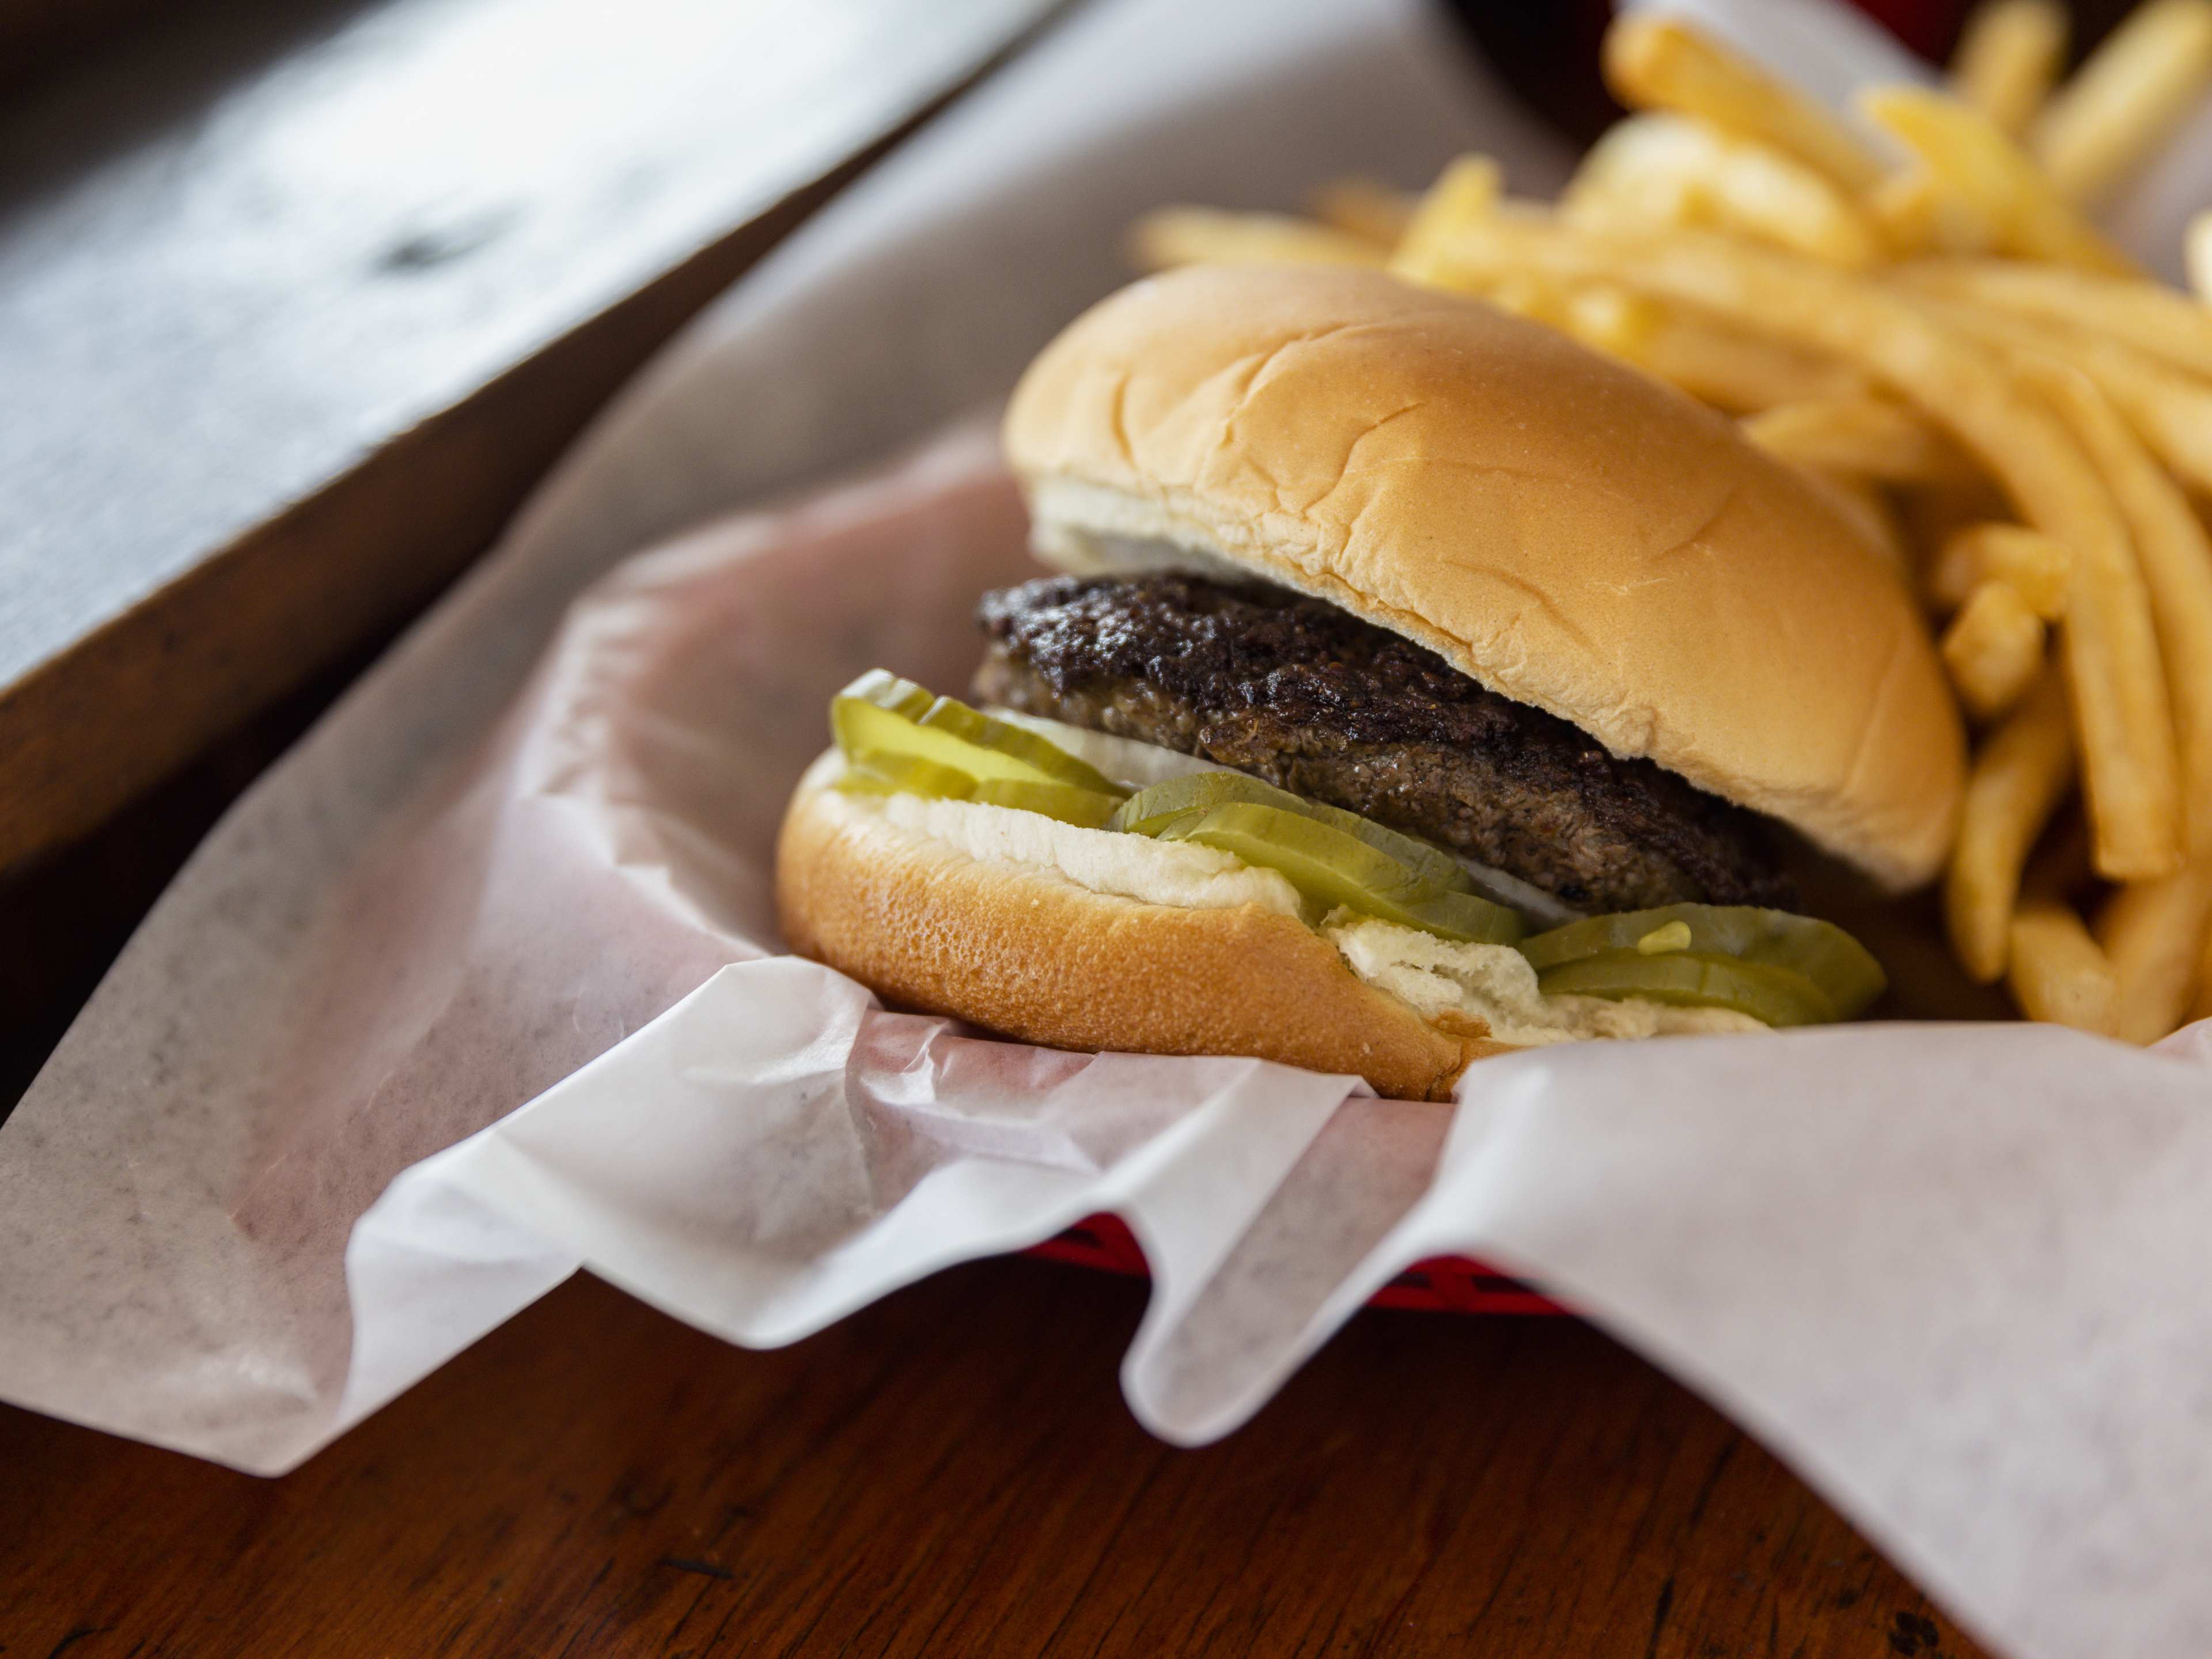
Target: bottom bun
(1025,951)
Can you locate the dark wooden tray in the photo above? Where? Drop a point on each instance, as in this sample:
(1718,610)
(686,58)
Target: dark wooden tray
(300,297)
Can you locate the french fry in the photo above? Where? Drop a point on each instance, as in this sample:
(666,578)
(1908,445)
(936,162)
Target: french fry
(2200,1002)
(2171,410)
(1933,513)
(1612,319)
(2197,252)
(1978,162)
(1727,367)
(2017,781)
(2060,868)
(1916,214)
(2153,933)
(2056,973)
(2009,59)
(1742,372)
(1670,169)
(1993,649)
(1533,298)
(1870,514)
(1603,318)
(1367,208)
(2035,566)
(1193,235)
(2122,104)
(1465,193)
(2176,556)
(1870,438)
(1731,368)
(2109,645)
(1951,353)
(1657,63)
(2148,316)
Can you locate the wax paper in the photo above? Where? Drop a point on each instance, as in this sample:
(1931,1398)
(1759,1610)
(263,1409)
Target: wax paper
(481,985)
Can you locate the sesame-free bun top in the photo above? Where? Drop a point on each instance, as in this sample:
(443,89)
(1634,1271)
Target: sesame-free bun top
(1565,530)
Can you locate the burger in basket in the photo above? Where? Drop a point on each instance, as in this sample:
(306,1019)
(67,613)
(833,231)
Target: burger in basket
(1422,686)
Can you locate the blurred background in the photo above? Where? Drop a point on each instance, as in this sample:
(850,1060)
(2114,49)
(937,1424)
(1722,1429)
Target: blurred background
(298,298)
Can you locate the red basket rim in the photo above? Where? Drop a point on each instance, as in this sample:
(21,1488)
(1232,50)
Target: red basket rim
(1447,1283)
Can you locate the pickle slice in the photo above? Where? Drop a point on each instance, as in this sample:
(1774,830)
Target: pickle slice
(1335,869)
(1837,965)
(887,772)
(885,689)
(1694,979)
(1321,862)
(1151,811)
(1463,918)
(880,714)
(1084,807)
(1018,748)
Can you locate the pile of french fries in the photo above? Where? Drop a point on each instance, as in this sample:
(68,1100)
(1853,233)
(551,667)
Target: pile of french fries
(1919,312)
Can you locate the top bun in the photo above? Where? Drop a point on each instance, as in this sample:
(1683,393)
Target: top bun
(1563,529)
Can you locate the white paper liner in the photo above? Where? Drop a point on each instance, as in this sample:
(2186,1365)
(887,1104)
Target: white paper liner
(1955,1275)
(455,890)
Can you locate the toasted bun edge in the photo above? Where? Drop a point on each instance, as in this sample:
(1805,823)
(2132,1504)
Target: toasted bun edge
(1032,955)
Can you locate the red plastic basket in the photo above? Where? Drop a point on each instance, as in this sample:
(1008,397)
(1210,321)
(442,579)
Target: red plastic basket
(1442,1285)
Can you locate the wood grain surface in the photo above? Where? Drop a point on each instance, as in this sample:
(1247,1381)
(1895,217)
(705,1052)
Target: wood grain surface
(297,297)
(953,1472)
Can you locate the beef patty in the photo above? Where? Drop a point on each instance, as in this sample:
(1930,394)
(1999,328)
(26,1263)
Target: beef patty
(1308,696)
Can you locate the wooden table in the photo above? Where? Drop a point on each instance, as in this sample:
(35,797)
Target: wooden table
(953,1472)
(949,1472)
(298,298)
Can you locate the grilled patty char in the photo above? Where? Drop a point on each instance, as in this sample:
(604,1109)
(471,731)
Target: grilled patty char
(1308,696)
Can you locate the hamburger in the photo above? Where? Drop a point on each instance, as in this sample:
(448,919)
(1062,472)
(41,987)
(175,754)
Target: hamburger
(1418,686)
